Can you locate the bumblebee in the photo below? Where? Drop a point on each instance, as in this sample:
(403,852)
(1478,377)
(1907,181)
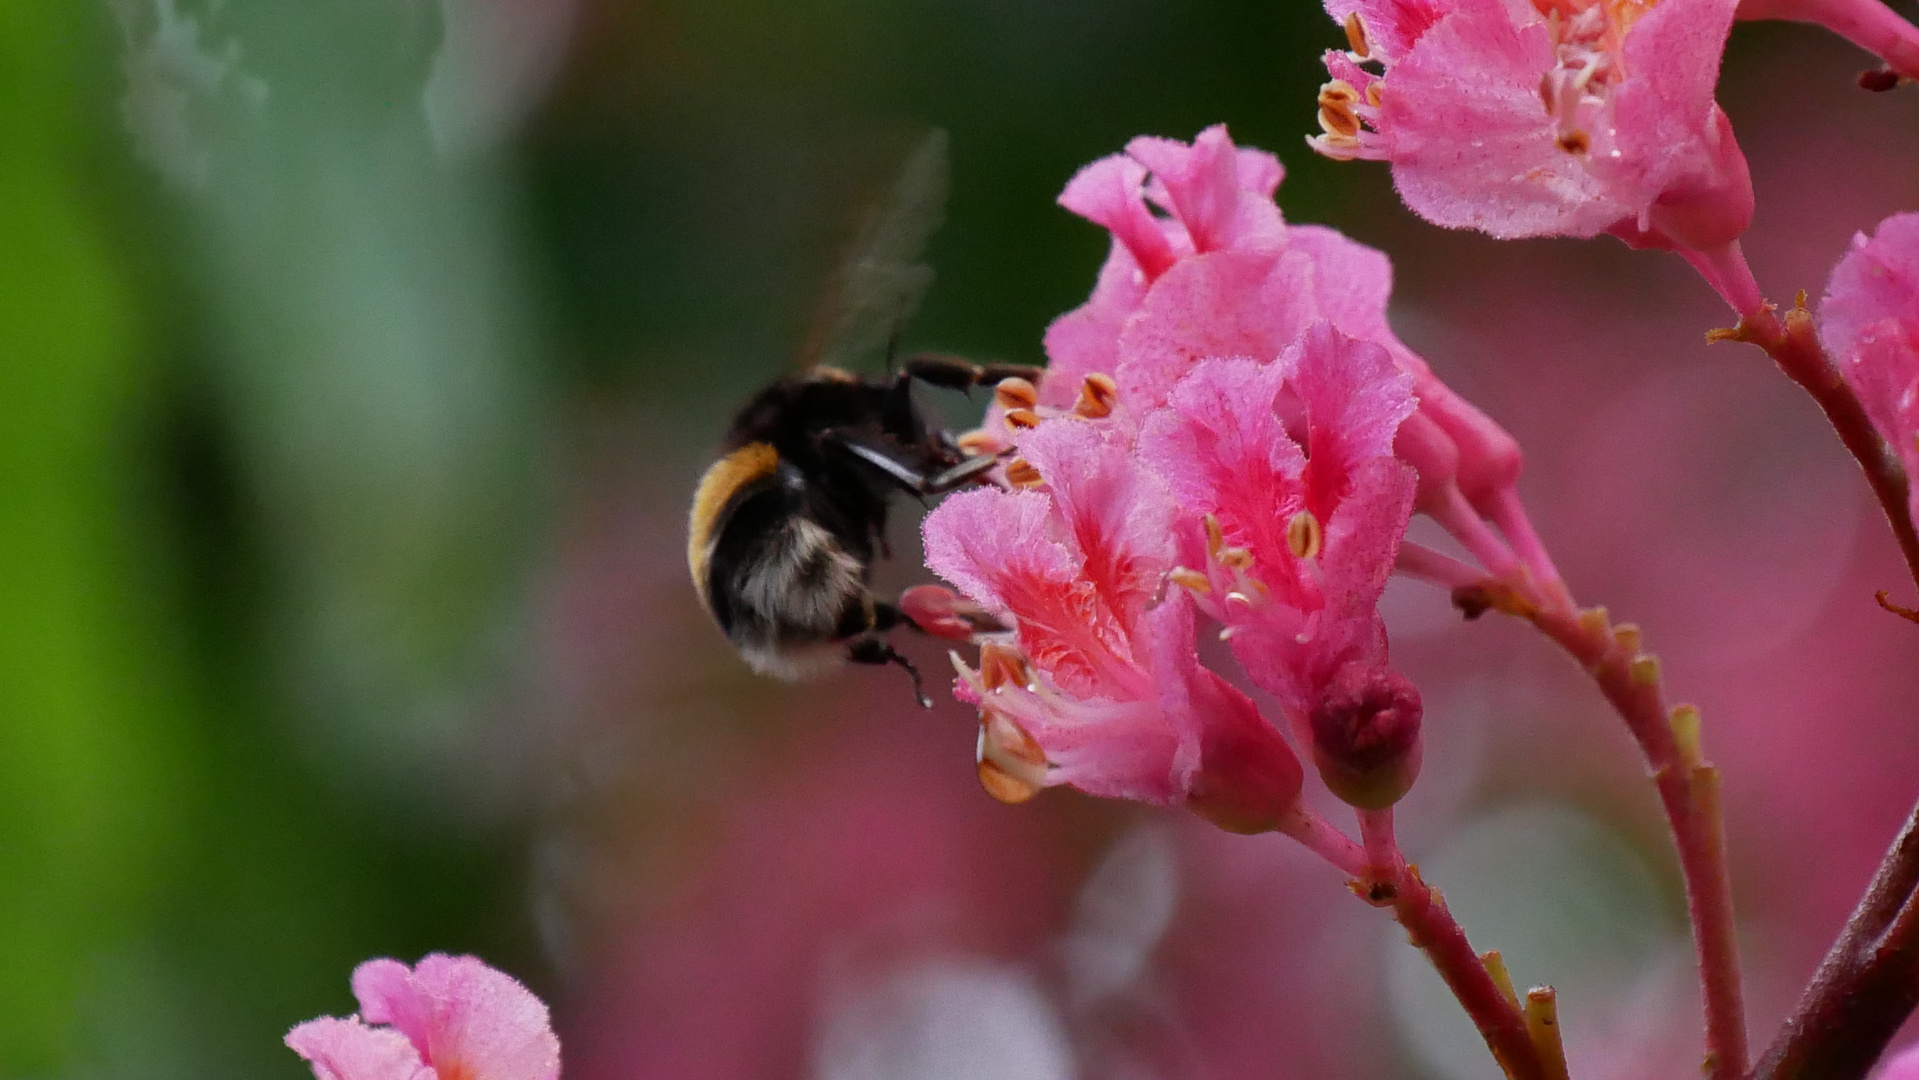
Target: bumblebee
(786,525)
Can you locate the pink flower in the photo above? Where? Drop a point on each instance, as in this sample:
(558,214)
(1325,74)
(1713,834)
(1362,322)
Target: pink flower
(1203,266)
(1869,325)
(1559,117)
(1101,685)
(1301,520)
(1209,197)
(448,1018)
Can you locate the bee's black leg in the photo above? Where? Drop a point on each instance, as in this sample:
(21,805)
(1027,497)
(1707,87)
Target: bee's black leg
(941,370)
(873,650)
(958,476)
(994,374)
(909,479)
(955,373)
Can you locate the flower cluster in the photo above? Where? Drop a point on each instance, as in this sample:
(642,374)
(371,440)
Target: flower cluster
(1227,428)
(447,1018)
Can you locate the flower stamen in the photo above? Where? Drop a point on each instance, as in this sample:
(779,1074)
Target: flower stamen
(1336,116)
(1016,393)
(980,442)
(1011,765)
(1215,537)
(1304,535)
(1022,473)
(1190,579)
(1097,396)
(1356,36)
(1000,666)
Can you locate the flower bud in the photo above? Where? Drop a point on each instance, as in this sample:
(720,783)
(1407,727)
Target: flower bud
(1248,779)
(943,613)
(1366,739)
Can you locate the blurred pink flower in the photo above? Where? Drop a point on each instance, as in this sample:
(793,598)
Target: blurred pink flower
(449,1018)
(1903,1065)
(1563,117)
(1105,691)
(1869,324)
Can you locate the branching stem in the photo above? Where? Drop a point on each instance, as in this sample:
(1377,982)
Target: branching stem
(1868,984)
(1688,792)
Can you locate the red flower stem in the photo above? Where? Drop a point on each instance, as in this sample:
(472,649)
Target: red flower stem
(1867,985)
(1794,346)
(1509,513)
(1382,847)
(1322,839)
(1869,24)
(1391,881)
(1422,563)
(1689,793)
(1381,877)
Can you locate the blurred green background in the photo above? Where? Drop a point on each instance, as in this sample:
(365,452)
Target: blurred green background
(357,357)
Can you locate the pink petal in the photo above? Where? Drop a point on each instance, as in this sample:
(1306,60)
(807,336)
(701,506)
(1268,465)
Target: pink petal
(468,1020)
(1352,283)
(1115,750)
(1664,109)
(1001,549)
(1118,514)
(1203,187)
(1869,324)
(387,995)
(978,540)
(1676,154)
(1260,173)
(1363,535)
(1201,182)
(1086,340)
(1109,193)
(1877,279)
(1293,660)
(1247,778)
(1227,303)
(1473,147)
(1220,446)
(1901,1065)
(1392,26)
(1354,399)
(1134,749)
(349,1050)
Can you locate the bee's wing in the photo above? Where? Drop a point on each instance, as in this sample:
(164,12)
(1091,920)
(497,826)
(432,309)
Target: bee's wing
(883,280)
